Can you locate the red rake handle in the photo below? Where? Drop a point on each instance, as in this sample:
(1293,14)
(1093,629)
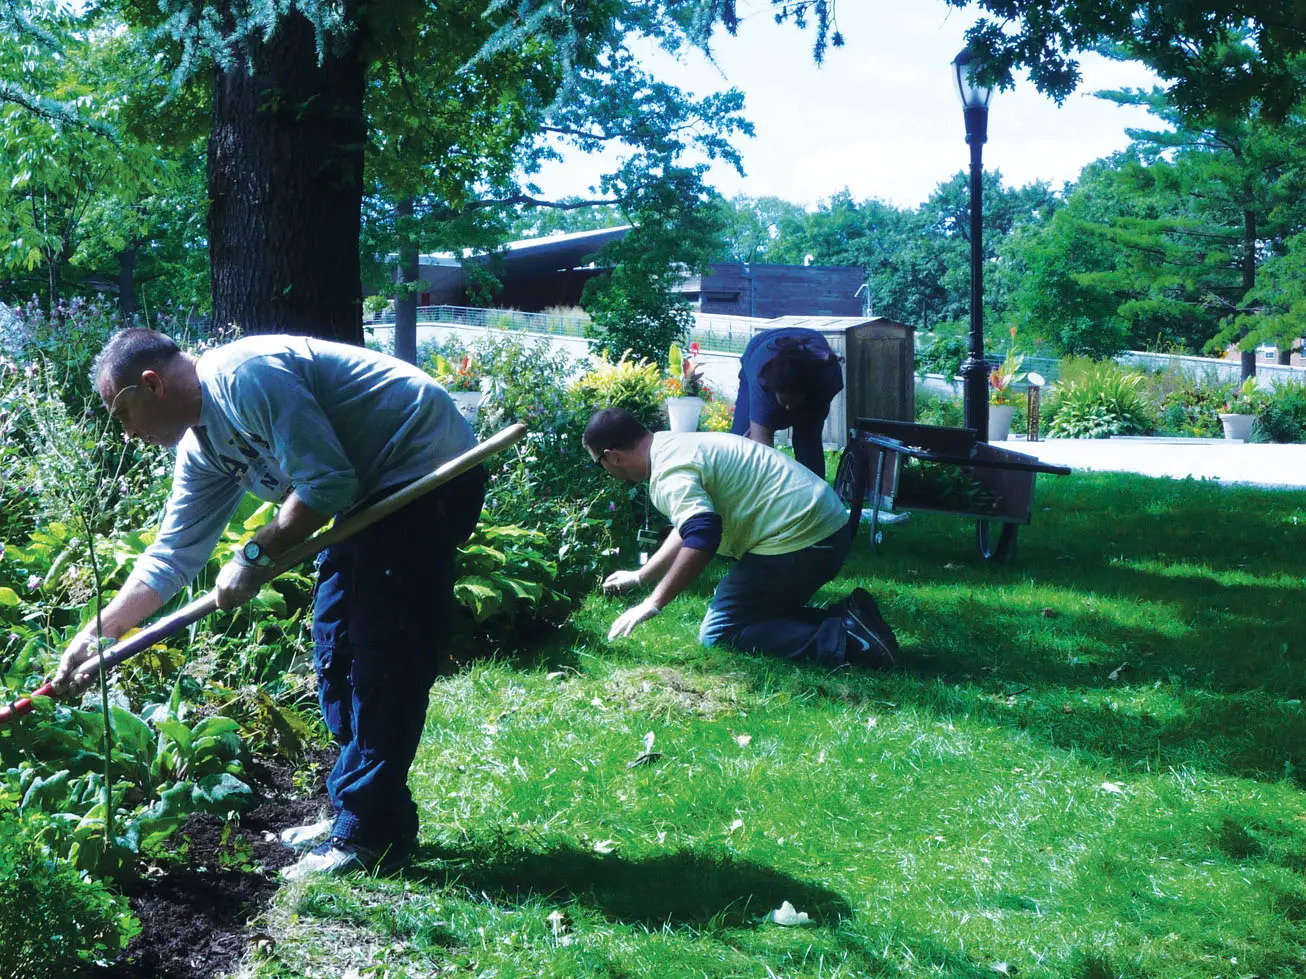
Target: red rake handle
(343,529)
(24,705)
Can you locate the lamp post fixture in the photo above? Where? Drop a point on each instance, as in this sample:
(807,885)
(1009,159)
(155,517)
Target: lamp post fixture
(975,370)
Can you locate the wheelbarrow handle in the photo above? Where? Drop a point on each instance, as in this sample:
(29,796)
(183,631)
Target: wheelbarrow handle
(342,530)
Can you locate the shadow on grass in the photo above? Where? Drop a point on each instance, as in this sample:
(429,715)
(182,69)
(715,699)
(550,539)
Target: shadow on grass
(1188,583)
(552,645)
(699,889)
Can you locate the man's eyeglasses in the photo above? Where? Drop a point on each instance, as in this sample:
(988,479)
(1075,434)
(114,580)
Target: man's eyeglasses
(598,458)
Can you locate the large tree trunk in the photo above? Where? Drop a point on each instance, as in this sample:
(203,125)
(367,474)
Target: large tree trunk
(406,300)
(285,174)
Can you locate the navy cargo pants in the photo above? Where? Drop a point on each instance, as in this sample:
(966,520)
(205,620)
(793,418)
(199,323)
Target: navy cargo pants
(384,598)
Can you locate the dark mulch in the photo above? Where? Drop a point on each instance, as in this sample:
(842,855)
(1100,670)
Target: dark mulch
(194,911)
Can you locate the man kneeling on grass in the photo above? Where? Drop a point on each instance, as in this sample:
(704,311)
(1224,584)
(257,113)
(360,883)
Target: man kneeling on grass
(784,525)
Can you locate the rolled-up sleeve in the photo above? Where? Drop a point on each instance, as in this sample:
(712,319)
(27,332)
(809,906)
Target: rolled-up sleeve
(275,403)
(199,507)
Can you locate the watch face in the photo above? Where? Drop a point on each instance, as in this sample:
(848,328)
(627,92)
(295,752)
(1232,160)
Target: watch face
(252,551)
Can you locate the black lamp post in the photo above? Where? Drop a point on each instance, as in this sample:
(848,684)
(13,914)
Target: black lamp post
(974,370)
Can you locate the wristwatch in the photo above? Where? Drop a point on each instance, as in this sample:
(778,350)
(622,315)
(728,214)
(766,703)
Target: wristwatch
(253,555)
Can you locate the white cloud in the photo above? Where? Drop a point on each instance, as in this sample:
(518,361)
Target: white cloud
(881,117)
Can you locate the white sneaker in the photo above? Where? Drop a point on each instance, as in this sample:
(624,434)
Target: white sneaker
(307,837)
(337,856)
(328,859)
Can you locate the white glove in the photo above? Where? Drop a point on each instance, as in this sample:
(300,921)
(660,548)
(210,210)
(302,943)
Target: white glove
(238,582)
(620,581)
(627,620)
(83,647)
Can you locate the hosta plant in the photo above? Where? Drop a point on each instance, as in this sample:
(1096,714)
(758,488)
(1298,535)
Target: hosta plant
(1100,401)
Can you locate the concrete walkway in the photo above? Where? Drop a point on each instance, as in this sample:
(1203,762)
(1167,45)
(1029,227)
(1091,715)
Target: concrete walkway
(1255,464)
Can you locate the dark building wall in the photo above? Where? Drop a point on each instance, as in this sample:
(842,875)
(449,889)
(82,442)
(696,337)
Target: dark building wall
(529,292)
(532,293)
(764,291)
(444,285)
(769,291)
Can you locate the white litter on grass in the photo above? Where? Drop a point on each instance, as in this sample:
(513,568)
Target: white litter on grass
(789,917)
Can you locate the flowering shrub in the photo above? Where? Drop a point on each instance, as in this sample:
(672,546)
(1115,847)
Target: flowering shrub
(528,384)
(466,375)
(718,416)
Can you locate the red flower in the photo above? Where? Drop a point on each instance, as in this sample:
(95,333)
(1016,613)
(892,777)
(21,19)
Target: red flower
(693,349)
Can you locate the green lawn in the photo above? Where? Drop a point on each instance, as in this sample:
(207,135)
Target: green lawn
(1091,766)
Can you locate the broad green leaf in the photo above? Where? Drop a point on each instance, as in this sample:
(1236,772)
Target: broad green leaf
(522,589)
(221,794)
(479,596)
(8,597)
(178,733)
(48,794)
(174,800)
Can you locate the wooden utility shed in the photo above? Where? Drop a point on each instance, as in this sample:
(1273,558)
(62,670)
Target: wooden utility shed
(879,369)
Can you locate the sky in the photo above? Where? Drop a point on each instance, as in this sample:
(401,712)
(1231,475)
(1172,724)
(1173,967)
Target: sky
(882,116)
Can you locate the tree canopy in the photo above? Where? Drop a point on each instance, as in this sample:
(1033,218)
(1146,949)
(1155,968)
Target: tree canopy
(338,135)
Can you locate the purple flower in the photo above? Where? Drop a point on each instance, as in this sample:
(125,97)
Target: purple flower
(33,583)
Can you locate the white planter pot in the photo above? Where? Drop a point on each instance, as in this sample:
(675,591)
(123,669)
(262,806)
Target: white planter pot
(1238,427)
(468,404)
(682,413)
(1000,422)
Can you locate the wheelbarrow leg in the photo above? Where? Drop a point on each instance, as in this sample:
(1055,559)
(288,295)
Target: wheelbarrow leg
(876,535)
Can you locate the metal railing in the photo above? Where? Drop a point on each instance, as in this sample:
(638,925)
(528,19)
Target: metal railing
(723,334)
(716,334)
(553,324)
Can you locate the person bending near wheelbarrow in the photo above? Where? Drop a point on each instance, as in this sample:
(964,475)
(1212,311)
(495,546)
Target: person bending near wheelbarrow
(784,526)
(322,428)
(787,379)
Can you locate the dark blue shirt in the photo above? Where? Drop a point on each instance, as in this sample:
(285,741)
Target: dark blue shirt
(763,408)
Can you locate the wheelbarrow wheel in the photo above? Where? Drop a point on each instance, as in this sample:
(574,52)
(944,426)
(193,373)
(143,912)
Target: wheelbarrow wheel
(1001,549)
(850,483)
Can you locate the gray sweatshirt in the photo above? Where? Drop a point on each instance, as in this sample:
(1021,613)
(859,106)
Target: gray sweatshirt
(331,422)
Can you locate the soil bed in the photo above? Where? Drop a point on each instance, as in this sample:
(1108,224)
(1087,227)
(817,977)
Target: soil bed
(194,918)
